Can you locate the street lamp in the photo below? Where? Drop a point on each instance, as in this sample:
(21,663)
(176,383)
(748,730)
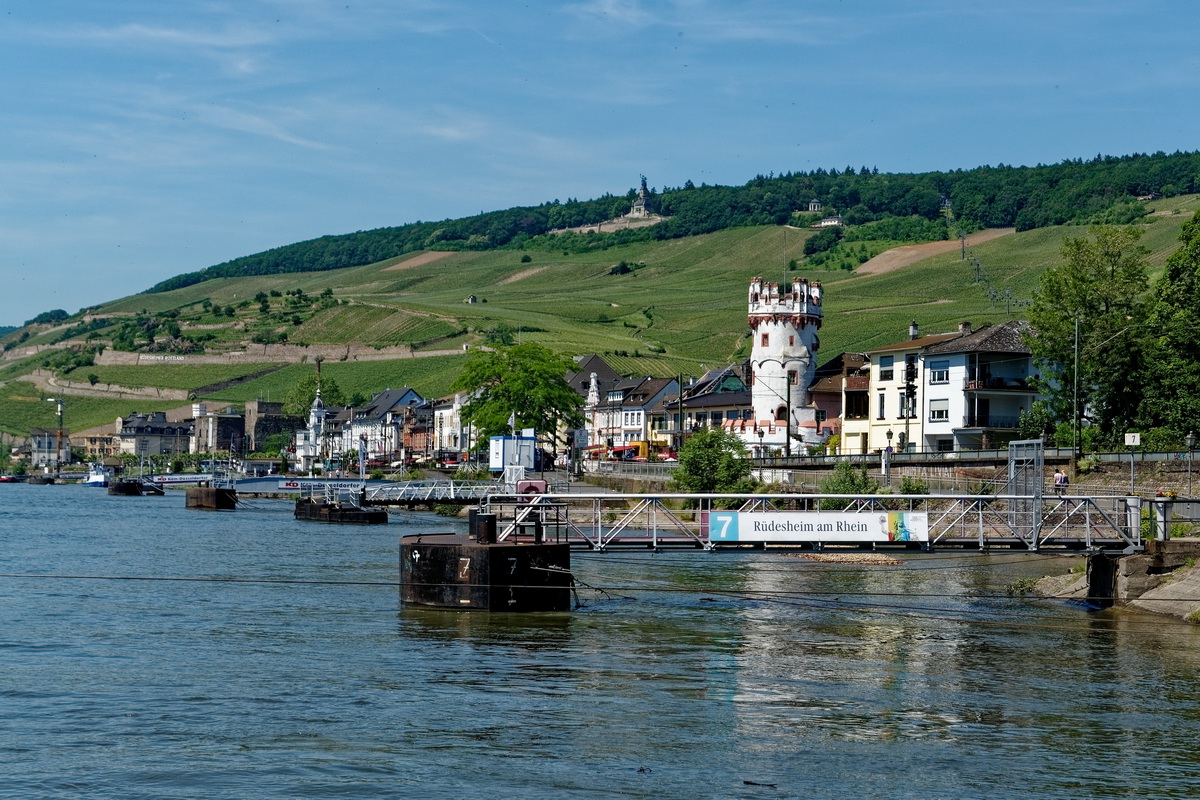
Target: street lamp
(1190,441)
(761,432)
(885,458)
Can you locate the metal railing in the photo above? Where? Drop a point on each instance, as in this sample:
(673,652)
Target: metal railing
(975,522)
(429,491)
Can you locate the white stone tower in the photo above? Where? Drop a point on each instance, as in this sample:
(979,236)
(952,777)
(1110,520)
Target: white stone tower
(783,358)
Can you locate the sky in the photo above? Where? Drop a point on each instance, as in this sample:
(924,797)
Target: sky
(141,139)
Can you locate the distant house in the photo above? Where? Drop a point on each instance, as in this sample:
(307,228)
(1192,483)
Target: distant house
(99,443)
(964,390)
(452,437)
(592,381)
(978,384)
(394,425)
(152,435)
(830,391)
(222,431)
(264,419)
(836,221)
(45,449)
(719,397)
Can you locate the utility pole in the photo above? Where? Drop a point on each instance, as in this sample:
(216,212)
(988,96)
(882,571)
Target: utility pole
(58,441)
(910,393)
(1075,443)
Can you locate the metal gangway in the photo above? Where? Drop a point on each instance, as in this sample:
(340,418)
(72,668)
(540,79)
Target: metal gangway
(600,521)
(436,491)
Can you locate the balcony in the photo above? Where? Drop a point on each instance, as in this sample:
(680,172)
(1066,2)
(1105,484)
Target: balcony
(997,385)
(997,421)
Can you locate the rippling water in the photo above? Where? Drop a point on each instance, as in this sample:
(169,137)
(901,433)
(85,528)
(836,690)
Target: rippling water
(297,674)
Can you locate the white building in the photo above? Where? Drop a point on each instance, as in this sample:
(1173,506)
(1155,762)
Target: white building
(309,441)
(976,387)
(963,390)
(783,359)
(394,426)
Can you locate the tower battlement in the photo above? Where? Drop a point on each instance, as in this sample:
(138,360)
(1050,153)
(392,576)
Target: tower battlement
(800,307)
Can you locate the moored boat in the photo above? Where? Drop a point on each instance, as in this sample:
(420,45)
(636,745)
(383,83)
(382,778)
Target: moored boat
(98,475)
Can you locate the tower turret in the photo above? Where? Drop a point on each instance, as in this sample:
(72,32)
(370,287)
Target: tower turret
(783,325)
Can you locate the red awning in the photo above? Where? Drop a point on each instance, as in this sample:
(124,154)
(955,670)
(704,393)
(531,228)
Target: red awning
(625,447)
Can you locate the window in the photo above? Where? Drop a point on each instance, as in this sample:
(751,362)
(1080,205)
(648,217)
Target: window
(793,377)
(856,406)
(792,340)
(939,372)
(939,410)
(731,414)
(908,405)
(822,415)
(765,340)
(881,406)
(885,367)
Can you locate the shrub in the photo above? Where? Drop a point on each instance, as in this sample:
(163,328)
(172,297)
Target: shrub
(847,479)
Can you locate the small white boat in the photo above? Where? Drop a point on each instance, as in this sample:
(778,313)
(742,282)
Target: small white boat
(98,475)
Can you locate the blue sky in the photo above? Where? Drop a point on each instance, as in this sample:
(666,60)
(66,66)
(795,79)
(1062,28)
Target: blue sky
(140,139)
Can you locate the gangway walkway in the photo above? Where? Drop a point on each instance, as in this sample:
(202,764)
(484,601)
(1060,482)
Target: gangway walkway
(977,522)
(429,492)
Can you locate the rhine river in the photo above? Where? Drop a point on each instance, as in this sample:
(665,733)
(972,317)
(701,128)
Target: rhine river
(170,653)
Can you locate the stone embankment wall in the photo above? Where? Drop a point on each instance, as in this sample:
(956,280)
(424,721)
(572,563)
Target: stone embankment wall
(47,379)
(1163,579)
(260,353)
(17,353)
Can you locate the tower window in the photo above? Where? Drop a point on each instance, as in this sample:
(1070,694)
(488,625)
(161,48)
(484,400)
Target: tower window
(765,340)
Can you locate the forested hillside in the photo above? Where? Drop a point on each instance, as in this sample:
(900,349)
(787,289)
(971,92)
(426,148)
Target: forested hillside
(1103,189)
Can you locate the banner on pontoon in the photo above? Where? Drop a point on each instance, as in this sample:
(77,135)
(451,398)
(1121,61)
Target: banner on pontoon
(810,526)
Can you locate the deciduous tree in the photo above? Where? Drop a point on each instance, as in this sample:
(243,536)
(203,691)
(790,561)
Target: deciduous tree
(300,399)
(1101,287)
(527,382)
(1172,386)
(713,460)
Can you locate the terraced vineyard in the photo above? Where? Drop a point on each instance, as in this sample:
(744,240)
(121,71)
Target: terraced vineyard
(680,306)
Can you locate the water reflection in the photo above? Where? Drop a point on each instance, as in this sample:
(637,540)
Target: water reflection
(682,674)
